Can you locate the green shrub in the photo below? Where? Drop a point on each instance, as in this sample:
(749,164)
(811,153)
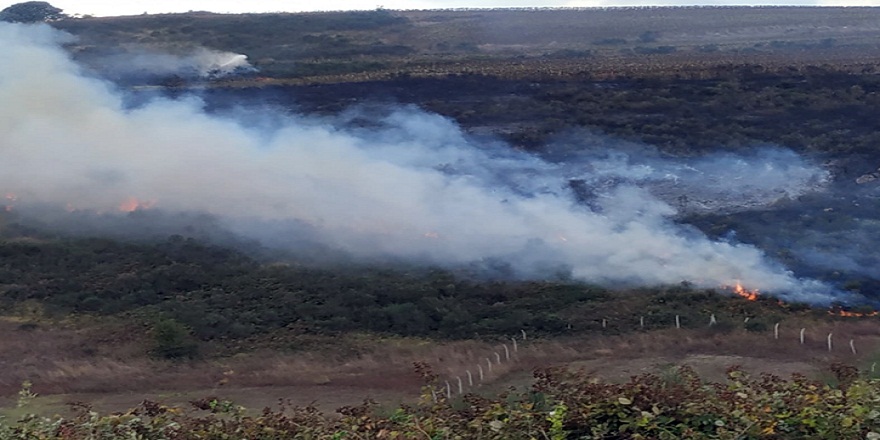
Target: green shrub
(756,326)
(172,340)
(561,405)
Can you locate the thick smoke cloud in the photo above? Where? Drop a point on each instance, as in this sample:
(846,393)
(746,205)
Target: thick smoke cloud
(722,182)
(410,186)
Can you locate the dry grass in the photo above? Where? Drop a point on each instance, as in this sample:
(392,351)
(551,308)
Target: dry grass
(86,363)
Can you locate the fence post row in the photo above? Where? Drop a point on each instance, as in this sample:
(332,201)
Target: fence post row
(713,320)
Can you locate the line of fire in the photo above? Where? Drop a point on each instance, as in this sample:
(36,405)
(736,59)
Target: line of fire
(836,310)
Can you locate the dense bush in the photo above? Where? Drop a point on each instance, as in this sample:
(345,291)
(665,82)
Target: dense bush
(221,293)
(31,12)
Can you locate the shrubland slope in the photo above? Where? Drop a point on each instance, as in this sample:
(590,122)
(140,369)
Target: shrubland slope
(686,80)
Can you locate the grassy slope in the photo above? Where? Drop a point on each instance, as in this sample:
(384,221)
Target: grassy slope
(520,43)
(201,285)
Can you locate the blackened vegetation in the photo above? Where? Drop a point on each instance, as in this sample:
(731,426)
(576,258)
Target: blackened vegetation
(282,45)
(823,112)
(524,43)
(818,110)
(803,78)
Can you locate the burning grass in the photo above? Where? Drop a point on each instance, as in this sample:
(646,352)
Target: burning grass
(739,290)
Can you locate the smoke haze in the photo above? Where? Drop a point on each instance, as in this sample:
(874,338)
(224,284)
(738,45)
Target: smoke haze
(407,185)
(142,63)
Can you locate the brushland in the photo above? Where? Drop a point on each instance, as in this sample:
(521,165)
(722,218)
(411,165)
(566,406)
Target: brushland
(177,319)
(65,349)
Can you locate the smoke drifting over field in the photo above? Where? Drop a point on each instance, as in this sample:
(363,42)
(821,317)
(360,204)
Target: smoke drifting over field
(144,64)
(412,186)
(718,183)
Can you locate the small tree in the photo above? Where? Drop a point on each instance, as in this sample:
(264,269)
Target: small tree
(172,340)
(31,12)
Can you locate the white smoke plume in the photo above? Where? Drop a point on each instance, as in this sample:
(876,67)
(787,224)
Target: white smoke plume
(140,63)
(722,182)
(411,187)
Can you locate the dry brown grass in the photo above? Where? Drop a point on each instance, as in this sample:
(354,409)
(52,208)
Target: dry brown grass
(77,361)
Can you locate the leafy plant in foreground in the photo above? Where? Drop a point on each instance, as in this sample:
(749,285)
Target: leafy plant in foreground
(561,405)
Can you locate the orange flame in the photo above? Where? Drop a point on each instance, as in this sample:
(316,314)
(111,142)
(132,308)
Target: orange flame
(132,204)
(847,313)
(751,295)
